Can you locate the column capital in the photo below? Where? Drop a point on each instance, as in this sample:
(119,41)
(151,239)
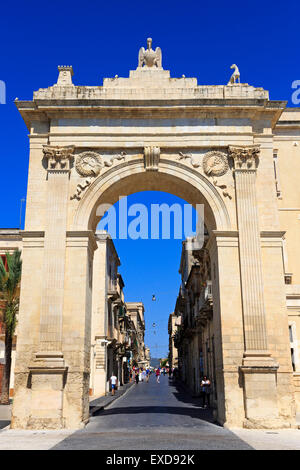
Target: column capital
(58,158)
(244,157)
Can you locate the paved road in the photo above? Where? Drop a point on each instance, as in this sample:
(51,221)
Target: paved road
(153,416)
(5,416)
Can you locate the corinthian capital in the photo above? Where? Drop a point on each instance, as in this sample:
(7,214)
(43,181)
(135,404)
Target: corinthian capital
(244,158)
(58,157)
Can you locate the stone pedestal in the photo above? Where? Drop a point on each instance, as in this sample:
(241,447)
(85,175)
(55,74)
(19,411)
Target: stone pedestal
(47,377)
(260,392)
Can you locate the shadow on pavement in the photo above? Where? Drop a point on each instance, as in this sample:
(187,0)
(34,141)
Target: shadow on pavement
(4,423)
(183,394)
(203,415)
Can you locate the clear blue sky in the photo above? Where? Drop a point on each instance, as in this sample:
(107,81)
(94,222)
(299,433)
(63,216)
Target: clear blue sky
(150,267)
(102,39)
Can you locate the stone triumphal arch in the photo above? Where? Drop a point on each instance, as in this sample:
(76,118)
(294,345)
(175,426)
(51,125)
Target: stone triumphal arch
(207,144)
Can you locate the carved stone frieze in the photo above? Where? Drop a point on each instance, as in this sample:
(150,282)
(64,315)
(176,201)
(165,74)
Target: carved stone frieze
(80,188)
(151,158)
(224,189)
(194,159)
(58,158)
(245,158)
(215,163)
(120,156)
(91,163)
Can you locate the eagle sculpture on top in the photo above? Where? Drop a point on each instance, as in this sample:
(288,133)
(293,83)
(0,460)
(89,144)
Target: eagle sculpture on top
(149,57)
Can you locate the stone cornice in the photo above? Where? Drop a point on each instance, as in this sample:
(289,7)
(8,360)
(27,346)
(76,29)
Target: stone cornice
(225,233)
(43,110)
(272,234)
(32,233)
(81,238)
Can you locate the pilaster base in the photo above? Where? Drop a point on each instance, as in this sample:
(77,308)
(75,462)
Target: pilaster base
(47,377)
(264,423)
(260,393)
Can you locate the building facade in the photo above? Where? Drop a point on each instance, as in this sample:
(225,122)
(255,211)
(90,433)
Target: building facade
(227,147)
(135,311)
(110,341)
(173,324)
(194,337)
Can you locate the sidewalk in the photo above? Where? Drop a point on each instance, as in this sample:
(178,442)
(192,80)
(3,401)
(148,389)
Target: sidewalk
(96,405)
(5,415)
(99,404)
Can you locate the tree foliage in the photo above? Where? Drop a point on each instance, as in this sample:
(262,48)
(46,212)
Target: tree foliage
(10,290)
(163,362)
(9,307)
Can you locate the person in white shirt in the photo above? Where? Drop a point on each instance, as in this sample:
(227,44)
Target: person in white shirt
(113,381)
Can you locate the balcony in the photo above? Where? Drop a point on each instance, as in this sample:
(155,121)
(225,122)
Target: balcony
(114,290)
(205,297)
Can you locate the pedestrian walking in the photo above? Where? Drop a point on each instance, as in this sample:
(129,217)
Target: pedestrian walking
(113,381)
(147,375)
(137,379)
(205,392)
(157,375)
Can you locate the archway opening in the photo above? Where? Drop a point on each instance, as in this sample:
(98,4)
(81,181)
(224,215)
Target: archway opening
(159,271)
(200,329)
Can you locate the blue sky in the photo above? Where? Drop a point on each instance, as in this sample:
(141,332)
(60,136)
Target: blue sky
(102,39)
(150,267)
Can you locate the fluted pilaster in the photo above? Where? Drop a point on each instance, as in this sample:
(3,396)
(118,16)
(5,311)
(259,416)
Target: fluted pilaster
(245,163)
(58,159)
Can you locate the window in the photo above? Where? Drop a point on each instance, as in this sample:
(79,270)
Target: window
(291,333)
(109,321)
(293,345)
(276,174)
(293,359)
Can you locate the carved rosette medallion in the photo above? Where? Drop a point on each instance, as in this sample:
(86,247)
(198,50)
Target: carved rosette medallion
(245,158)
(215,163)
(89,164)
